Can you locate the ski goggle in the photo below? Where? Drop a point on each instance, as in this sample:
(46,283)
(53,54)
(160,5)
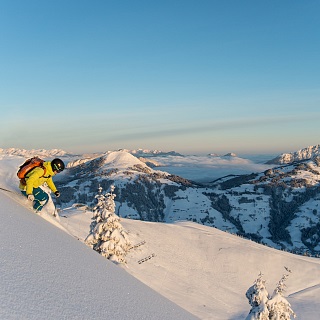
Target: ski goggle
(57,168)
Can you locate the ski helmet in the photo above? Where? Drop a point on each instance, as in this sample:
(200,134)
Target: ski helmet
(57,165)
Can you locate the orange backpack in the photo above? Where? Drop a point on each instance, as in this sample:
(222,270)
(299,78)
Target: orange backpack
(28,166)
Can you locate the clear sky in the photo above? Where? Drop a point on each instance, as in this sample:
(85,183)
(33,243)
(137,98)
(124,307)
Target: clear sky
(194,76)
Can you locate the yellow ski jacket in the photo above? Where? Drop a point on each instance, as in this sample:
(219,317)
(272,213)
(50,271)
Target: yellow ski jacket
(35,178)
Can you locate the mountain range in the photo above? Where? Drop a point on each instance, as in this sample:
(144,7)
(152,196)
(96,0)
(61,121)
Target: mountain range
(278,207)
(183,265)
(303,154)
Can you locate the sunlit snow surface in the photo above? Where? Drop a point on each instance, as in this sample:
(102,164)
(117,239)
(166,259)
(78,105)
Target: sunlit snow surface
(49,273)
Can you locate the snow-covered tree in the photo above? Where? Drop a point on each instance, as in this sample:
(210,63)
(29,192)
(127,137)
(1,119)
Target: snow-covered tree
(258,299)
(265,307)
(107,235)
(279,307)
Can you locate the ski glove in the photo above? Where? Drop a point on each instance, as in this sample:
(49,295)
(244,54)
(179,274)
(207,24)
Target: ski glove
(30,197)
(57,194)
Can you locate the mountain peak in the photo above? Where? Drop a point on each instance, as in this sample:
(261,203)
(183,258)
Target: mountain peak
(230,154)
(121,159)
(302,154)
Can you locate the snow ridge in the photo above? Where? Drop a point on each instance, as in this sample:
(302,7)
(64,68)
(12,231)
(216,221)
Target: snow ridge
(147,152)
(303,154)
(33,152)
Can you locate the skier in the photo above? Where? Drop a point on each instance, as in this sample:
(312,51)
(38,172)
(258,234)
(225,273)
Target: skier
(37,177)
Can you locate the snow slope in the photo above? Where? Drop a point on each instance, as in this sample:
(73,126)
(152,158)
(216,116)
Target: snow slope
(47,274)
(207,271)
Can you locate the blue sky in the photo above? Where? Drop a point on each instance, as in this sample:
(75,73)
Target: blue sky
(185,75)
